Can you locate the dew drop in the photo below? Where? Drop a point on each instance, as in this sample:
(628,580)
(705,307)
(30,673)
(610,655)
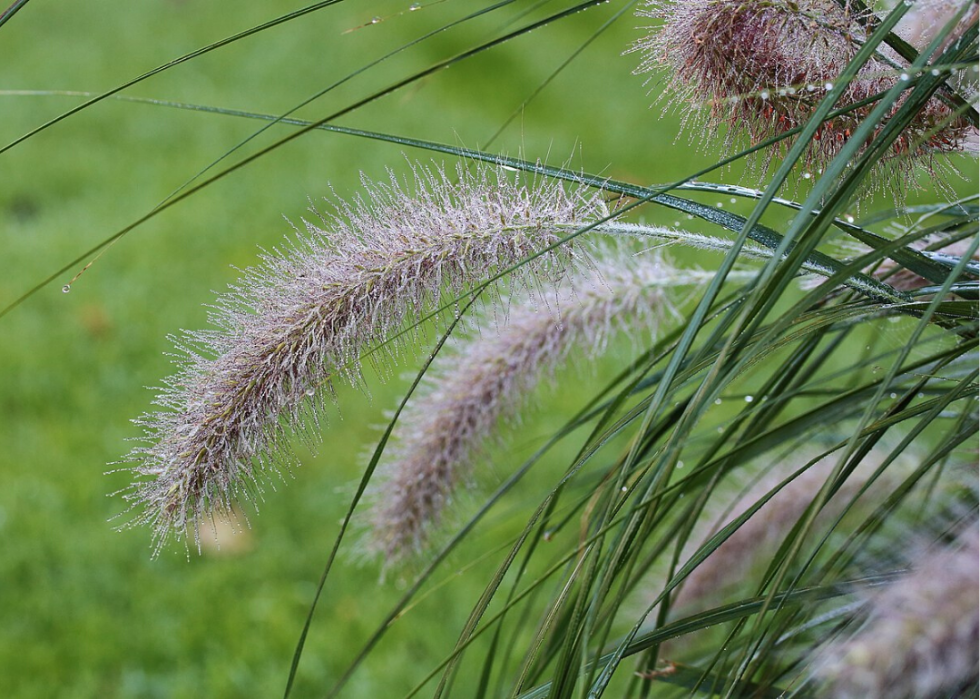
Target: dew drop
(719,205)
(764,95)
(624,489)
(680,464)
(828,86)
(807,175)
(548,535)
(414,7)
(903,77)
(717,401)
(849,218)
(782,92)
(375,20)
(749,399)
(66,288)
(894,396)
(934,71)
(310,392)
(677,223)
(811,88)
(733,200)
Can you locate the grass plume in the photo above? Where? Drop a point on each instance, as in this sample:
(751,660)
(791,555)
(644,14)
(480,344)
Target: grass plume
(303,318)
(487,380)
(761,68)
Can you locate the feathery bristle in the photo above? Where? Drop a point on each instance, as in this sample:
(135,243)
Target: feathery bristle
(302,319)
(470,392)
(761,68)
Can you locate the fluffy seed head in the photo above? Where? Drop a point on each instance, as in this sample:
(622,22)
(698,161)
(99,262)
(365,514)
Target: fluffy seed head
(469,392)
(304,317)
(762,67)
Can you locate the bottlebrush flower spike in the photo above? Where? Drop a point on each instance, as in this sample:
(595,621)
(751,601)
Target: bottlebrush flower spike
(302,319)
(920,639)
(468,393)
(762,67)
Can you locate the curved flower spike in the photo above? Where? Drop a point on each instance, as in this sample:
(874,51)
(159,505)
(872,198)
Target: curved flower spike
(294,324)
(469,392)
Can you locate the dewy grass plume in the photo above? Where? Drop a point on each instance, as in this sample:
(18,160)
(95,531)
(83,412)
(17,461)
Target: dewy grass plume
(762,67)
(471,391)
(302,319)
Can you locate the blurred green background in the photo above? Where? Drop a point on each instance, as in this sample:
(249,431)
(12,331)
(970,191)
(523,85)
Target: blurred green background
(84,610)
